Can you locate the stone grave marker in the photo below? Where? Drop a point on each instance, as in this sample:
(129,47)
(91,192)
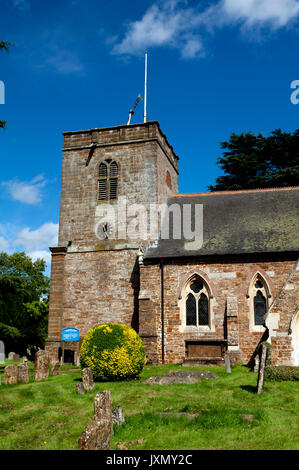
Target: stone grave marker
(87,379)
(96,435)
(11,355)
(80,389)
(55,368)
(2,352)
(118,416)
(11,374)
(260,380)
(227,363)
(41,365)
(23,373)
(16,358)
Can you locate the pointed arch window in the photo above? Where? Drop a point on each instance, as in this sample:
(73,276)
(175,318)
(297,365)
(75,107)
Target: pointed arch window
(260,308)
(107,180)
(197,304)
(259,295)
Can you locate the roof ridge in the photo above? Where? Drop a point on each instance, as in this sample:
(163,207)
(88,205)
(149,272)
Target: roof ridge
(241,191)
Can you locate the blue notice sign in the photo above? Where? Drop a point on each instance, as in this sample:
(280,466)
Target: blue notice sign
(70,334)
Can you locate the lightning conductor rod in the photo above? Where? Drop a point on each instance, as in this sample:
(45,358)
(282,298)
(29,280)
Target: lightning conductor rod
(145,87)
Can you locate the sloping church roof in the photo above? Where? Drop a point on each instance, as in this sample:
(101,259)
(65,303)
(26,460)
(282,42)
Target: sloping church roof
(236,222)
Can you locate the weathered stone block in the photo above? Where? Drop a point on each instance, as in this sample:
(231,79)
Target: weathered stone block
(41,366)
(23,373)
(87,379)
(10,375)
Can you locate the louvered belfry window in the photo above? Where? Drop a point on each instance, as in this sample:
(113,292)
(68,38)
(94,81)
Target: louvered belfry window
(107,181)
(197,304)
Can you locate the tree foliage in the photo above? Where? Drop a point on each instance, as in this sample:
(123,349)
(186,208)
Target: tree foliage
(254,161)
(24,299)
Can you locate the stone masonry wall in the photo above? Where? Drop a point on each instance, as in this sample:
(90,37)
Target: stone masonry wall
(227,280)
(96,281)
(280,321)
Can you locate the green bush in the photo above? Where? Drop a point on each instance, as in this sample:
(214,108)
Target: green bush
(281,373)
(113,351)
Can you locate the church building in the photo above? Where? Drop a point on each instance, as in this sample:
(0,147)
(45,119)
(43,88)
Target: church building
(216,273)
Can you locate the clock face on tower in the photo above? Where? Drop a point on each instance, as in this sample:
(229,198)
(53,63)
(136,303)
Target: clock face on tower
(104,230)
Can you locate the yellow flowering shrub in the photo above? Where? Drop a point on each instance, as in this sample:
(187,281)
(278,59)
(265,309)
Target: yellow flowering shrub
(113,351)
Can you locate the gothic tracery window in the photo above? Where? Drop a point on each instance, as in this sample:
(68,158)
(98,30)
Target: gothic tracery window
(197,304)
(107,180)
(259,301)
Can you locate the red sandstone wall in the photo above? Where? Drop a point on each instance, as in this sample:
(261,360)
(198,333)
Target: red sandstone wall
(226,280)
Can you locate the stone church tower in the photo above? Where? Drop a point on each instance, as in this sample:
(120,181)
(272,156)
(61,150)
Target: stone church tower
(95,275)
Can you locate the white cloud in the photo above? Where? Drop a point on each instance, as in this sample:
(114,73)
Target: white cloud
(64,61)
(39,239)
(43,254)
(4,245)
(24,191)
(174,24)
(35,243)
(161,25)
(275,13)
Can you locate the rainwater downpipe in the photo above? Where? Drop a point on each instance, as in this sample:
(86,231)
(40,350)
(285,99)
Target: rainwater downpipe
(162,308)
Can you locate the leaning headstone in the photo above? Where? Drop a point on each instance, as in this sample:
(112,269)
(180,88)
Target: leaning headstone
(96,435)
(16,358)
(260,381)
(41,365)
(10,374)
(87,379)
(55,368)
(80,389)
(2,352)
(256,363)
(11,355)
(227,363)
(23,373)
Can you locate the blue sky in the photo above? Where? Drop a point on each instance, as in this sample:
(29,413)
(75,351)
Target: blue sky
(215,67)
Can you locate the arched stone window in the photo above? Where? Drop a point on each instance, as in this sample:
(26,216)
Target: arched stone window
(197,306)
(107,180)
(258,297)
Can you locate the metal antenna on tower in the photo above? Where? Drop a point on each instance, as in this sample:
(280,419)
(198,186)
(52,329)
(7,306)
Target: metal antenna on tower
(132,111)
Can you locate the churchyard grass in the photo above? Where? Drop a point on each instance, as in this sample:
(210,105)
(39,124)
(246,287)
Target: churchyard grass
(226,413)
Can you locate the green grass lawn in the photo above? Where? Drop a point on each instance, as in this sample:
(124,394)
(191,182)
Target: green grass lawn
(229,414)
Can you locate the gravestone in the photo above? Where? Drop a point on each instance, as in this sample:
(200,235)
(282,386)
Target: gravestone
(10,374)
(11,355)
(80,389)
(23,373)
(55,368)
(260,380)
(96,435)
(24,360)
(87,379)
(102,406)
(2,352)
(227,363)
(256,363)
(16,358)
(117,415)
(41,365)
